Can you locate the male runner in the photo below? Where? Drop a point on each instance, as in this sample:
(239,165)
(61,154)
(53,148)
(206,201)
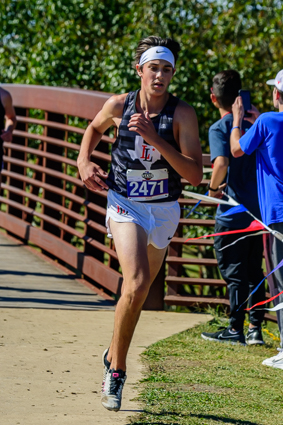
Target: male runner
(157,143)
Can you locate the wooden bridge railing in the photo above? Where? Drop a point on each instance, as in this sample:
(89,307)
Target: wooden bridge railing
(44,202)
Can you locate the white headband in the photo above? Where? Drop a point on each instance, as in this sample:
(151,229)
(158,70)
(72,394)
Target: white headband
(157,52)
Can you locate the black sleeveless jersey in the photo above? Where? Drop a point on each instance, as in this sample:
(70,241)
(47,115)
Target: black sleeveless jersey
(131,152)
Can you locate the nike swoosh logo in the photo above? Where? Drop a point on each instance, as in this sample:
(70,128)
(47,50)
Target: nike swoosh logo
(225,337)
(159,51)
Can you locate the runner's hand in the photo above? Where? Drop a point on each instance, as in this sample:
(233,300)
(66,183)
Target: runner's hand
(142,124)
(91,175)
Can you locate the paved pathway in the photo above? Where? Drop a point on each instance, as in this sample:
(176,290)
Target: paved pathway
(53,330)
(28,281)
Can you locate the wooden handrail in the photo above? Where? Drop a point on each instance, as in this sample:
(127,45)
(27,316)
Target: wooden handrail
(46,202)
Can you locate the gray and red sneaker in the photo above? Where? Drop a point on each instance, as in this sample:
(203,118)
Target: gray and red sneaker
(111,396)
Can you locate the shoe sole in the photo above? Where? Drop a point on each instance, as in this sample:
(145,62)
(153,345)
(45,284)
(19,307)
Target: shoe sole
(106,402)
(207,338)
(110,408)
(255,342)
(273,365)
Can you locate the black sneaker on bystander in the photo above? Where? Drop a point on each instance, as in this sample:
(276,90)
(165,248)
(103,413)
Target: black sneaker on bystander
(225,335)
(254,336)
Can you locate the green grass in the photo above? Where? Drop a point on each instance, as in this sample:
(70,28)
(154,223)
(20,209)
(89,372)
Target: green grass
(192,381)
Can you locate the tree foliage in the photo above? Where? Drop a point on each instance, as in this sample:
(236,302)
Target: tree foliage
(91,44)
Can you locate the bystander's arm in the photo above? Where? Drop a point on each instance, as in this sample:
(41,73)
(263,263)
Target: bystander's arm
(236,132)
(219,172)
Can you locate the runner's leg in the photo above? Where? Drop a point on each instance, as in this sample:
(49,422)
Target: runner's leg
(140,265)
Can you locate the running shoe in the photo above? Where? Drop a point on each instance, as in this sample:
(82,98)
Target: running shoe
(111,396)
(225,335)
(254,337)
(275,361)
(106,366)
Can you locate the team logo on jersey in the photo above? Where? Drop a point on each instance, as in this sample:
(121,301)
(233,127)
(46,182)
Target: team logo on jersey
(145,153)
(147,175)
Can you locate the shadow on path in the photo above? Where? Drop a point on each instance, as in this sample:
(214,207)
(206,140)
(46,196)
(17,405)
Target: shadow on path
(56,276)
(46,291)
(217,419)
(55,302)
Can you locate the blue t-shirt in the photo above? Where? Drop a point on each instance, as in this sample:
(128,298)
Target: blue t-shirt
(266,139)
(241,174)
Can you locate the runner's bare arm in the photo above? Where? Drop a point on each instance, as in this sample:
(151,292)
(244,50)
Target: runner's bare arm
(188,163)
(90,172)
(10,116)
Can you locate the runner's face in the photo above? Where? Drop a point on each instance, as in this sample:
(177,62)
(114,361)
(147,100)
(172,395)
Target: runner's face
(156,76)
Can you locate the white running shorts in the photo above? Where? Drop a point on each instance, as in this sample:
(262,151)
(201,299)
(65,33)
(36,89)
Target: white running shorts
(159,220)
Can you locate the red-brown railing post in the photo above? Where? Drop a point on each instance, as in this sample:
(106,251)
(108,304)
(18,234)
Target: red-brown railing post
(17,168)
(53,165)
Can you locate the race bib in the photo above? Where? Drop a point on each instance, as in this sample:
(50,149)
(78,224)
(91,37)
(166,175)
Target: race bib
(147,185)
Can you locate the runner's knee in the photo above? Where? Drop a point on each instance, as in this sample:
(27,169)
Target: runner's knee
(136,293)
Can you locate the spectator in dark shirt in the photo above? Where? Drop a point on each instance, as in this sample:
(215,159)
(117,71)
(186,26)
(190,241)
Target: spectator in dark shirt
(239,264)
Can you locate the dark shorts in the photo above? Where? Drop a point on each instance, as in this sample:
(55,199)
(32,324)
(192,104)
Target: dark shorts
(241,268)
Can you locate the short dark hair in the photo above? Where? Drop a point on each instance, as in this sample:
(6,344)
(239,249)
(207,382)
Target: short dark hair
(154,40)
(226,86)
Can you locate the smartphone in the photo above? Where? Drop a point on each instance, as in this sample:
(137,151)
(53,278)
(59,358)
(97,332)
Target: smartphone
(246,97)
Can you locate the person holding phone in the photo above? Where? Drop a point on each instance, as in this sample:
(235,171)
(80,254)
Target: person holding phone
(239,264)
(265,139)
(246,99)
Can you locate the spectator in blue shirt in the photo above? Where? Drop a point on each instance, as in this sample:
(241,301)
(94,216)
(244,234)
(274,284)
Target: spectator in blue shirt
(239,264)
(265,138)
